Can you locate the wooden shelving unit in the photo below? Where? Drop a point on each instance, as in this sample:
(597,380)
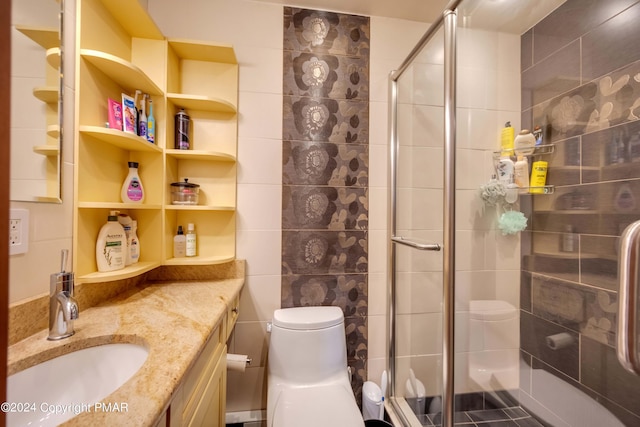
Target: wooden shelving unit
(123,52)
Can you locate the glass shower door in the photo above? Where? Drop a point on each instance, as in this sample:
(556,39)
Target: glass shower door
(417,232)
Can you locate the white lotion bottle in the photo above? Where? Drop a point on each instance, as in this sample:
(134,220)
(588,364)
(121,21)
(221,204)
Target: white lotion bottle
(179,244)
(191,240)
(132,189)
(505,170)
(134,247)
(521,174)
(111,246)
(125,221)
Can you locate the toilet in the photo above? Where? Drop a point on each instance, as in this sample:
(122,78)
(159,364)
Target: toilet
(308,378)
(494,356)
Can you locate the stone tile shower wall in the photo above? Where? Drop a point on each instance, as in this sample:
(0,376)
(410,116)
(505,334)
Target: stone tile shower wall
(325,180)
(581,84)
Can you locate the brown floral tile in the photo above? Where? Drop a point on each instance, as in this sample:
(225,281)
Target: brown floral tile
(326,32)
(324,208)
(319,163)
(608,101)
(349,292)
(324,252)
(326,76)
(327,120)
(583,309)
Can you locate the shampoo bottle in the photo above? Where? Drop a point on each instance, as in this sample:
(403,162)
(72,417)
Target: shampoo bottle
(191,241)
(111,245)
(506,140)
(521,174)
(179,244)
(132,190)
(151,124)
(538,177)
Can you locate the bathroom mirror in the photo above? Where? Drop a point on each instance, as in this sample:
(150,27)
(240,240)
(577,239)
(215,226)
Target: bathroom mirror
(36,104)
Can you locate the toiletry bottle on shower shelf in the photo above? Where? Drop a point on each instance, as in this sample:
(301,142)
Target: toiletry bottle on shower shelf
(506,140)
(132,190)
(505,170)
(521,174)
(538,177)
(524,144)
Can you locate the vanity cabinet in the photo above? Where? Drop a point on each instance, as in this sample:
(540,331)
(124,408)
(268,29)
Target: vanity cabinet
(201,396)
(120,50)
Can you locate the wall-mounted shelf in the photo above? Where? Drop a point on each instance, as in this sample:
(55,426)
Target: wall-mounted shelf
(120,51)
(119,138)
(124,73)
(47,150)
(46,94)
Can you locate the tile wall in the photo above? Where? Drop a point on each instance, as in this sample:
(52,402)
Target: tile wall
(581,83)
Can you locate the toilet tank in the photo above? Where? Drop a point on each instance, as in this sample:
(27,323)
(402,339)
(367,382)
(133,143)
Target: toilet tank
(307,345)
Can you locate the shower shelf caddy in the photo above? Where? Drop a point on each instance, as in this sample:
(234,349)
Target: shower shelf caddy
(539,150)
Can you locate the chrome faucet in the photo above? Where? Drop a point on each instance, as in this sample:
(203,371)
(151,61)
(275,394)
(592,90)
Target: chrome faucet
(63,309)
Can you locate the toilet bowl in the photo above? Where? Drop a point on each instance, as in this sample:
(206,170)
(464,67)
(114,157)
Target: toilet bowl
(494,360)
(307,374)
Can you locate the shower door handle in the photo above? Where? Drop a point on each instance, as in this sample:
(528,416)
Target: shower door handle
(628,298)
(416,245)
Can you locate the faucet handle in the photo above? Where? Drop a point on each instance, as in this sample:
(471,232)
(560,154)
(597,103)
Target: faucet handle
(63,262)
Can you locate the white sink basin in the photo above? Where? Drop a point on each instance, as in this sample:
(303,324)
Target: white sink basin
(57,390)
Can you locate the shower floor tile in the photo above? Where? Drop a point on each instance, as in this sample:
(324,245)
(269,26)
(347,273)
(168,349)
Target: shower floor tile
(507,417)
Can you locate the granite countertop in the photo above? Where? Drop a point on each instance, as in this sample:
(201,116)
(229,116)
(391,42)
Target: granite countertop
(171,319)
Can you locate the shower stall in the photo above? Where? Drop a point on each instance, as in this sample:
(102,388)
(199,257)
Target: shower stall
(488,322)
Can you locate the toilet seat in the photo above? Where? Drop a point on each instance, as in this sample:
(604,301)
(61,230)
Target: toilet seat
(319,406)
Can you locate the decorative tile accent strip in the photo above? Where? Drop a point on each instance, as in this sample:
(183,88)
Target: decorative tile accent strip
(325,208)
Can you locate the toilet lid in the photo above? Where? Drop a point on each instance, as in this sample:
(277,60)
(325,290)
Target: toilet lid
(319,406)
(305,318)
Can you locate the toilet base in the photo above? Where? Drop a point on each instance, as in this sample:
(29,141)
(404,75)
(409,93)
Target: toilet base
(317,406)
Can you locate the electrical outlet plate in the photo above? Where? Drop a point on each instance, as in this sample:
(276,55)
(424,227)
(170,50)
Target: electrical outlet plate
(18,231)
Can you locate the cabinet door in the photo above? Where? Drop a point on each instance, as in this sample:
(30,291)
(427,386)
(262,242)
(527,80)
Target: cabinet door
(210,411)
